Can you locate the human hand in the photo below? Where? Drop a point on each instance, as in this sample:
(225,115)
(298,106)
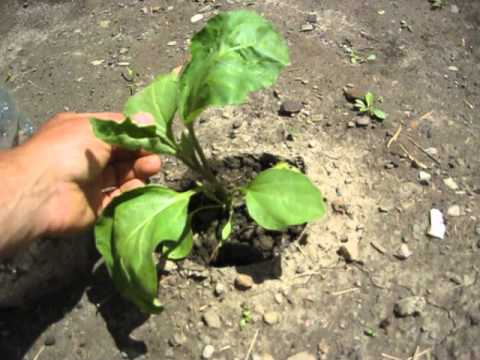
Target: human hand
(82,174)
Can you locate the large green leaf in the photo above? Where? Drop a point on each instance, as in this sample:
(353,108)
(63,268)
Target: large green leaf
(128,232)
(278,198)
(131,136)
(177,250)
(159,99)
(236,53)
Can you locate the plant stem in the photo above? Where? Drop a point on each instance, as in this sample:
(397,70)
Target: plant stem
(206,171)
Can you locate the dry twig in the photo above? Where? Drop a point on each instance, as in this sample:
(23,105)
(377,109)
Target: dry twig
(252,344)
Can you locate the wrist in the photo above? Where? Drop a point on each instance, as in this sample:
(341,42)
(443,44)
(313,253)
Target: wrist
(26,188)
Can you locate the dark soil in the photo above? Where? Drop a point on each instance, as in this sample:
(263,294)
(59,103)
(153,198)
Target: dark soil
(249,243)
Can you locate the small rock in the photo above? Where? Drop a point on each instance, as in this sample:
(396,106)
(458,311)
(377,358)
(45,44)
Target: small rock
(339,206)
(104,24)
(353,93)
(264,356)
(424,178)
(271,317)
(431,151)
(307,27)
(278,298)
(211,319)
(477,229)
(454,211)
(196,18)
(450,183)
(349,251)
(312,18)
(243,282)
(454,9)
(50,340)
(290,107)
(178,339)
(323,347)
(207,352)
(123,51)
(403,252)
(452,68)
(237,124)
(304,355)
(172,43)
(437,225)
(409,306)
(219,289)
(206,8)
(384,208)
(363,121)
(350,124)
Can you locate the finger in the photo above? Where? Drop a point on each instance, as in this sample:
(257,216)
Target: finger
(109,179)
(147,166)
(141,168)
(132,184)
(104,116)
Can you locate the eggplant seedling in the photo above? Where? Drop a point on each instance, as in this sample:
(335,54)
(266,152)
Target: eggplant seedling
(235,54)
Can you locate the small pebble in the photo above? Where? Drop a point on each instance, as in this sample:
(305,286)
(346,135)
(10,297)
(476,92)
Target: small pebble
(450,183)
(403,252)
(50,340)
(409,306)
(207,352)
(304,355)
(452,68)
(211,319)
(424,178)
(271,317)
(219,289)
(290,107)
(454,211)
(363,121)
(437,225)
(243,282)
(278,298)
(454,9)
(350,124)
(307,27)
(196,18)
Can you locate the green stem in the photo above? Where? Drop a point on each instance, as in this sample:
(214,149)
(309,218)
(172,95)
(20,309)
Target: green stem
(203,164)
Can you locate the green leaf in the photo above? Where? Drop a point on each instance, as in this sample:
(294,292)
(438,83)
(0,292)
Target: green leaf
(235,54)
(379,114)
(131,136)
(160,99)
(278,198)
(128,232)
(286,166)
(359,104)
(177,250)
(369,99)
(227,228)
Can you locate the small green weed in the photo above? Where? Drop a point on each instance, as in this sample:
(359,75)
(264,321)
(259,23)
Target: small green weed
(438,4)
(247,317)
(367,105)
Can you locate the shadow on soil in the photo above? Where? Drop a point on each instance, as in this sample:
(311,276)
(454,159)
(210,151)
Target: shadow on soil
(20,328)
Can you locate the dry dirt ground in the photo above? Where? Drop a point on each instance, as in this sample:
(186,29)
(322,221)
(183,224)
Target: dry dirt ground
(379,305)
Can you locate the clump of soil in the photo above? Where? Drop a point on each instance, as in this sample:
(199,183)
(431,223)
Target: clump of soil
(249,243)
